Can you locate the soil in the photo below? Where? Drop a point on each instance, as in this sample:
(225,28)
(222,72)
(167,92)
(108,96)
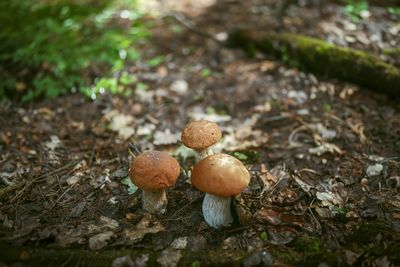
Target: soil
(324,156)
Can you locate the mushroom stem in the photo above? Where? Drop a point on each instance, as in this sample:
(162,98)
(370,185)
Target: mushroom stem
(217,210)
(204,153)
(155,202)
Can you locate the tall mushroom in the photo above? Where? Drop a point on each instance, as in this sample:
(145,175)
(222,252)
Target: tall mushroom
(153,172)
(201,135)
(220,176)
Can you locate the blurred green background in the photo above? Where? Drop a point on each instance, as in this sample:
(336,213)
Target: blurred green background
(50,47)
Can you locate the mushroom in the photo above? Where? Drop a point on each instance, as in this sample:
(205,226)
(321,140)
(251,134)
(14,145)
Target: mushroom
(153,172)
(220,176)
(201,135)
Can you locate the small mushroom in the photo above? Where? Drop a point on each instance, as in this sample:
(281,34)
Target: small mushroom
(220,176)
(200,136)
(152,172)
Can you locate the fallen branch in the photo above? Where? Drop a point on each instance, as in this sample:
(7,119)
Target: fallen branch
(317,56)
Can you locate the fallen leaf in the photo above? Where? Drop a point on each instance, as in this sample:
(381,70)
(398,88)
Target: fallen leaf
(124,261)
(324,132)
(46,113)
(179,243)
(166,137)
(357,128)
(268,215)
(199,114)
(281,235)
(99,241)
(324,212)
(54,143)
(143,228)
(374,170)
(184,153)
(120,123)
(169,257)
(131,187)
(324,148)
(145,129)
(303,185)
(109,223)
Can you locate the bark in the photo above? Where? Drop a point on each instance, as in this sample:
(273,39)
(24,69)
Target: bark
(319,57)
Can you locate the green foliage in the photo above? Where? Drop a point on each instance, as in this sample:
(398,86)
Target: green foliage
(247,156)
(395,12)
(264,236)
(196,263)
(307,244)
(154,62)
(50,47)
(327,108)
(183,153)
(114,85)
(354,9)
(131,187)
(206,72)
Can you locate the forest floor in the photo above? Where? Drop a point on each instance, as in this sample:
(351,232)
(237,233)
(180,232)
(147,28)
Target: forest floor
(324,155)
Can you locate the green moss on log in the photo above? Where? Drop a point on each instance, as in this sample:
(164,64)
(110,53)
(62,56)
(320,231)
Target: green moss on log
(42,256)
(317,56)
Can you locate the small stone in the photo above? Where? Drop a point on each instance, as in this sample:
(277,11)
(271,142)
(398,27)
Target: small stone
(179,243)
(374,170)
(180,87)
(258,258)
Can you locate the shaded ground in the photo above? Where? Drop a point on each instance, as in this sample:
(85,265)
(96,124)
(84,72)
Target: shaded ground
(324,155)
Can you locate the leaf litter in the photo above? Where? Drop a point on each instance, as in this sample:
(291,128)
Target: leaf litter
(327,168)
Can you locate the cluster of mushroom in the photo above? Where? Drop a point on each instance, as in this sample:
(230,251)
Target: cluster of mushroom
(220,176)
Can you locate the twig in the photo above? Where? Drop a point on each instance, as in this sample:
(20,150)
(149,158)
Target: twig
(185,206)
(237,229)
(180,18)
(318,224)
(134,150)
(41,177)
(6,181)
(9,189)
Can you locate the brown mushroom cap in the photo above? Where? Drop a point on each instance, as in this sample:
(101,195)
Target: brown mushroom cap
(154,170)
(201,134)
(220,175)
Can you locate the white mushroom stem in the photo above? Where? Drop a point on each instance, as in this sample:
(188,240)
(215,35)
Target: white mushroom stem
(217,210)
(155,202)
(204,153)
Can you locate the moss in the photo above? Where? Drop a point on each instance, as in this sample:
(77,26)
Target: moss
(320,57)
(286,257)
(307,245)
(393,253)
(366,233)
(58,257)
(392,51)
(316,259)
(313,252)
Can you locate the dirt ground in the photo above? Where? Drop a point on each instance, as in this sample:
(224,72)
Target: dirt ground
(324,156)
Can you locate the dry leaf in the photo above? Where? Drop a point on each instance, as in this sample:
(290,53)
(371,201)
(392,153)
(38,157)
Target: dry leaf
(169,258)
(143,228)
(166,137)
(99,241)
(357,128)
